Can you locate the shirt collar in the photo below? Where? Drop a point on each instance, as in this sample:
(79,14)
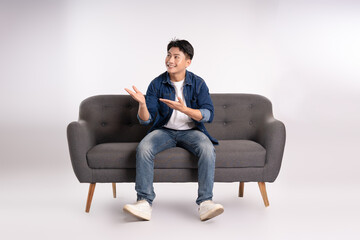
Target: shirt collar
(186,82)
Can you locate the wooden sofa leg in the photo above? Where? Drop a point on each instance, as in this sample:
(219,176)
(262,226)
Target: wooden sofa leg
(263,193)
(114,189)
(241,189)
(90,196)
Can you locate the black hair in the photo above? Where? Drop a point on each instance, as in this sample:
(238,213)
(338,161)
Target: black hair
(184,46)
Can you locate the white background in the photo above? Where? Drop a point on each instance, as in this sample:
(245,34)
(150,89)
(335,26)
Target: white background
(302,55)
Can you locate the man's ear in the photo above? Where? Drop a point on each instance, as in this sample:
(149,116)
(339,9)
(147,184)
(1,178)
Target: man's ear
(188,62)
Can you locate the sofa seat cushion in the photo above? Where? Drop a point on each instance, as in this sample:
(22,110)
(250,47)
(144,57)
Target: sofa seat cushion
(239,153)
(229,154)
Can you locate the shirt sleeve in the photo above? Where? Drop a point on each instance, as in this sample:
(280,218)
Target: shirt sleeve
(205,115)
(142,122)
(204,102)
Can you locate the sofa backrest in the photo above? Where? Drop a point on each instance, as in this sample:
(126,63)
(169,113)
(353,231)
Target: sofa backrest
(238,116)
(113,118)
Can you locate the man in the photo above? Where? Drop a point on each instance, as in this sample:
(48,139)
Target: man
(178,102)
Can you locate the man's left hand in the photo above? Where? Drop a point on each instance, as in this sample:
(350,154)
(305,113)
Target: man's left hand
(180,106)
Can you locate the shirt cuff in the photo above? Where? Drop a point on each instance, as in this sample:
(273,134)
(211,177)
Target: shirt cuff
(205,114)
(142,122)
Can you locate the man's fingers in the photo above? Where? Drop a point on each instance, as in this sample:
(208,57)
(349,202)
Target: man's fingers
(180,100)
(129,91)
(170,103)
(132,94)
(166,101)
(136,90)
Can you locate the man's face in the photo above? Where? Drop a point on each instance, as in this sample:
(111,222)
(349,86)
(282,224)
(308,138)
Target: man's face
(176,61)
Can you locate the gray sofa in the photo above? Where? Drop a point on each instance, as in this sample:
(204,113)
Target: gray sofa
(102,143)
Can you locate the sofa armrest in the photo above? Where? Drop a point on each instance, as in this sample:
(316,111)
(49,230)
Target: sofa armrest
(80,140)
(272,137)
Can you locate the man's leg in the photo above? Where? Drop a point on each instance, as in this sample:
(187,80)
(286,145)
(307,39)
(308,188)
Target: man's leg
(153,143)
(200,145)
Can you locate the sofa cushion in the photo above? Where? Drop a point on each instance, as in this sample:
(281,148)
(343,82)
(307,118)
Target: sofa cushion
(229,154)
(239,153)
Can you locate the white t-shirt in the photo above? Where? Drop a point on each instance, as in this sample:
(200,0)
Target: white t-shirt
(179,120)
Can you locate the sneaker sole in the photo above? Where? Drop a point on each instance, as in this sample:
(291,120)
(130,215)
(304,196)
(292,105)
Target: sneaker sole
(137,214)
(212,214)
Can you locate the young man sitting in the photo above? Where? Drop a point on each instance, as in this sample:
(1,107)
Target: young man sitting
(178,103)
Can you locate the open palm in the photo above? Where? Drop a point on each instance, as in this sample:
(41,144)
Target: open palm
(137,95)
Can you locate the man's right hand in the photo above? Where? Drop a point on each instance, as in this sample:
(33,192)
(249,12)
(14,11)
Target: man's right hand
(137,95)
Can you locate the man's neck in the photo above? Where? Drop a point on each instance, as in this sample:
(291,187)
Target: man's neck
(177,77)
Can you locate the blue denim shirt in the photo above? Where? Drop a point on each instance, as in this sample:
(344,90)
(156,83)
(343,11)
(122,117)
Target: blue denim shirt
(196,95)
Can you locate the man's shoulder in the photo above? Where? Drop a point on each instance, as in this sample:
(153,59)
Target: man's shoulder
(162,77)
(195,80)
(195,77)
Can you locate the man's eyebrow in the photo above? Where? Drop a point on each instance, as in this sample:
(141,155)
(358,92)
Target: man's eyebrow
(174,53)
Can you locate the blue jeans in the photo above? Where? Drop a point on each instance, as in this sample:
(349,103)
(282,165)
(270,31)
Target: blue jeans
(161,139)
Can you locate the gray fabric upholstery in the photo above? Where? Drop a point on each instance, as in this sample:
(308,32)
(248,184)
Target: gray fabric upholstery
(102,143)
(230,154)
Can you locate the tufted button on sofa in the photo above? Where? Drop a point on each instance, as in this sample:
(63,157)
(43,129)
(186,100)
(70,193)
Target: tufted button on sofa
(102,143)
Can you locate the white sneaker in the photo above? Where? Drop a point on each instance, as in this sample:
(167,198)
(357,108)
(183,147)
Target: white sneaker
(140,209)
(208,209)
